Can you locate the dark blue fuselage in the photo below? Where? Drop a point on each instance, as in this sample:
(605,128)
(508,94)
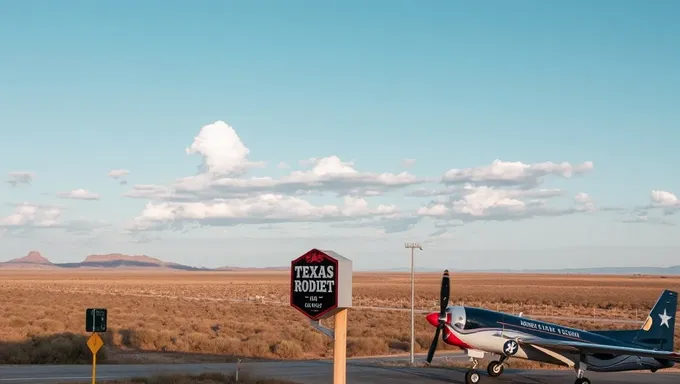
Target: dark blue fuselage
(478,326)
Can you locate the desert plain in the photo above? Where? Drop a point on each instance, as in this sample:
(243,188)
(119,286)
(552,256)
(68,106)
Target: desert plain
(180,316)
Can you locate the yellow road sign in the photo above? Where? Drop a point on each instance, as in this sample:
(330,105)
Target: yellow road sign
(95,342)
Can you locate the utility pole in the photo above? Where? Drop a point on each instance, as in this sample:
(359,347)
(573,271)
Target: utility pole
(413,246)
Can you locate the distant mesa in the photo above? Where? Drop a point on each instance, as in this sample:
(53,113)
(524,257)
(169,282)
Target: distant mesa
(117,260)
(33,260)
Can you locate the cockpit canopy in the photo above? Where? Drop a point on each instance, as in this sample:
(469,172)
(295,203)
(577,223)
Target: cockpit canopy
(458,316)
(471,318)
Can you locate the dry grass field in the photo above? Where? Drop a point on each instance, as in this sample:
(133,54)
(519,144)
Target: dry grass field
(220,316)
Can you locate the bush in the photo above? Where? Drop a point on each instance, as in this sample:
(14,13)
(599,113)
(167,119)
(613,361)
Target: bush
(62,348)
(287,349)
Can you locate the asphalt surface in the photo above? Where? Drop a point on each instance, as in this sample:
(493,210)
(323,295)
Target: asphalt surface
(360,371)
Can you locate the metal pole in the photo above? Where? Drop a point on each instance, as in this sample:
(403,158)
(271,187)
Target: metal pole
(412,308)
(413,246)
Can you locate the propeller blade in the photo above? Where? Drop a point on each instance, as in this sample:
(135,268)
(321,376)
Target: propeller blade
(443,303)
(433,346)
(444,294)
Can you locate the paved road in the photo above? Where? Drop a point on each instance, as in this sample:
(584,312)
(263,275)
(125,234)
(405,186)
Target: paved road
(360,371)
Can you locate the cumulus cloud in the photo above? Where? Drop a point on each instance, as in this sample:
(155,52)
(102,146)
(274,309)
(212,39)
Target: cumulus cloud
(17,178)
(222,193)
(664,199)
(32,215)
(26,217)
(259,209)
(584,202)
(223,152)
(472,203)
(502,191)
(226,161)
(79,194)
(662,204)
(505,173)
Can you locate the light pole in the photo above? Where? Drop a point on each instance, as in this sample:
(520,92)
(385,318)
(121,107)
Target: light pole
(412,246)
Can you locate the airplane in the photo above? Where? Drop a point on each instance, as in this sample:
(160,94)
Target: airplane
(479,331)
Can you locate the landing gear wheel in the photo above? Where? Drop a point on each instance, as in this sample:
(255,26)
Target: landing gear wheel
(472,377)
(495,368)
(582,381)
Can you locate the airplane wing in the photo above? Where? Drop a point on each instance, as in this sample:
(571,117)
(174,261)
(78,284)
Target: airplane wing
(589,348)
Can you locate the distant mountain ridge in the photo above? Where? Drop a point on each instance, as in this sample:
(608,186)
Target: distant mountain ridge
(34,260)
(112,260)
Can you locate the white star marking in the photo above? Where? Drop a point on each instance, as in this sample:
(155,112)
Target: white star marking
(665,318)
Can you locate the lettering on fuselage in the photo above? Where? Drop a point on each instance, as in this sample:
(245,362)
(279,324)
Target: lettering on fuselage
(549,328)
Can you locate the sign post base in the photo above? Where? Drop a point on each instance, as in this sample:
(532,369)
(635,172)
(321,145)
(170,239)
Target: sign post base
(340,348)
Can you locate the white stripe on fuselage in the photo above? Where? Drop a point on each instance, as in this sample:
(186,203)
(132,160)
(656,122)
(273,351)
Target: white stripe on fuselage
(490,340)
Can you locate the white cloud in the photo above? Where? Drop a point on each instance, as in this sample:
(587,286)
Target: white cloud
(283,165)
(329,174)
(224,154)
(225,163)
(118,173)
(585,202)
(472,203)
(223,194)
(502,191)
(664,198)
(582,198)
(662,203)
(20,177)
(266,208)
(32,215)
(28,217)
(504,173)
(79,194)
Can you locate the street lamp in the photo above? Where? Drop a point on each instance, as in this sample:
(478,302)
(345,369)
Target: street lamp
(412,246)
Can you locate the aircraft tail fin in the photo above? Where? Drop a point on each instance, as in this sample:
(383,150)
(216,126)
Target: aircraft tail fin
(658,329)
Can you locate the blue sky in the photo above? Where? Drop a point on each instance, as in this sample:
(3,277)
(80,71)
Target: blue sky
(89,88)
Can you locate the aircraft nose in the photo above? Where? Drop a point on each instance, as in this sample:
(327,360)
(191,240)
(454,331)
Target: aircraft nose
(433,318)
